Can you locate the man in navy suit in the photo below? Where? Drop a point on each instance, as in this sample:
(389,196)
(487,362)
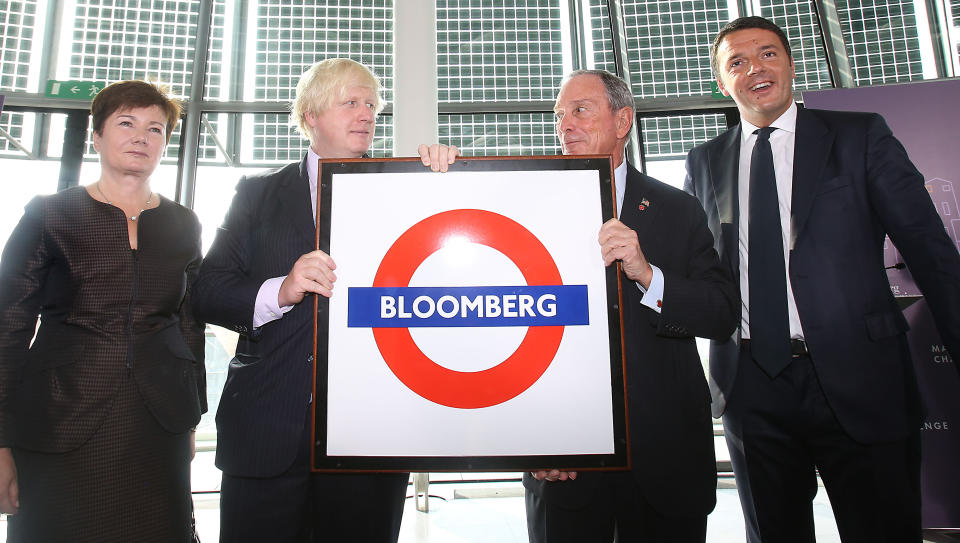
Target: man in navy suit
(257,279)
(818,376)
(674,288)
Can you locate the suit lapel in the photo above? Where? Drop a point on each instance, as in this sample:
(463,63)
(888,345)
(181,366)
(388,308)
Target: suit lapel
(295,201)
(634,198)
(724,164)
(811,149)
(725,174)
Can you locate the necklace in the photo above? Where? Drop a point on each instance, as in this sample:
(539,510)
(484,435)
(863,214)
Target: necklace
(131,217)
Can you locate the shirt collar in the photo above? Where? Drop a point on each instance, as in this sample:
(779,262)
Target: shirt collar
(312,164)
(620,178)
(787,121)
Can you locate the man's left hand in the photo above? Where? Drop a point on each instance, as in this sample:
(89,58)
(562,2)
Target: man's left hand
(438,157)
(619,242)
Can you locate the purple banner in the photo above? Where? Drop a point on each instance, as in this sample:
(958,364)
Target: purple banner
(922,117)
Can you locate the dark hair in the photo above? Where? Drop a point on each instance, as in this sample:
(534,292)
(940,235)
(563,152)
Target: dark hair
(744,23)
(618,92)
(124,95)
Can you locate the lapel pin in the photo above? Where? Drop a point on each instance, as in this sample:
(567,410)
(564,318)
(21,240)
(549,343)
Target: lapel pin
(644,204)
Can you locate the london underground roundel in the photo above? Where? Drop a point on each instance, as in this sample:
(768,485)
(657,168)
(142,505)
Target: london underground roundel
(390,307)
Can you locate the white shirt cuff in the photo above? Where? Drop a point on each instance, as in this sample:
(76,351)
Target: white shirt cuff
(653,296)
(268,308)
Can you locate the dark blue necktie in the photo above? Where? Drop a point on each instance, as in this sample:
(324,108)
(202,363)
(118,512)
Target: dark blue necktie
(769,323)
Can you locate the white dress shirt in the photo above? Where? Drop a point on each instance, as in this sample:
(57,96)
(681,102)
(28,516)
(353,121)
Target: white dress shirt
(782,142)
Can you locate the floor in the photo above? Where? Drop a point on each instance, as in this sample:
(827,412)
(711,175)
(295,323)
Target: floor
(488,508)
(463,511)
(492,512)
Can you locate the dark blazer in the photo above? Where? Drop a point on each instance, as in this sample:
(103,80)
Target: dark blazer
(263,409)
(671,431)
(852,185)
(105,311)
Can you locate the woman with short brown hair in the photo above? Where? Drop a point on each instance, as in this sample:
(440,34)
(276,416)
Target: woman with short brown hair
(96,412)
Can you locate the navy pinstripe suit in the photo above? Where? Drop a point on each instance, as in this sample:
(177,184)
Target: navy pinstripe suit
(263,418)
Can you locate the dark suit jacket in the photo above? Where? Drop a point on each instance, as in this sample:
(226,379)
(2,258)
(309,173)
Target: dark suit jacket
(671,431)
(263,409)
(852,185)
(105,311)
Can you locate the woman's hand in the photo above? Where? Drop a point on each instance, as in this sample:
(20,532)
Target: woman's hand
(9,490)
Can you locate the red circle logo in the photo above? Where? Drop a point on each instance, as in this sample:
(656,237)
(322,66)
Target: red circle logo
(506,380)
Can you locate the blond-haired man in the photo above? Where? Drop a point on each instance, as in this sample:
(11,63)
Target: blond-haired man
(259,269)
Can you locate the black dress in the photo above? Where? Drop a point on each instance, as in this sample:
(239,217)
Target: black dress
(99,407)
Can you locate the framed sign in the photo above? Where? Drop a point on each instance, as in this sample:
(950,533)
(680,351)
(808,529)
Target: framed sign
(473,325)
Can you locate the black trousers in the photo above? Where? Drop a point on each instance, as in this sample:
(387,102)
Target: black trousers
(618,512)
(299,506)
(781,431)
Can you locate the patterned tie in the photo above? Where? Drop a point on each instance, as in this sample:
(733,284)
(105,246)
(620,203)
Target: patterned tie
(769,323)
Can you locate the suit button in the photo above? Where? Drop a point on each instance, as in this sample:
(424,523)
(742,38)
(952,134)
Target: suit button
(310,358)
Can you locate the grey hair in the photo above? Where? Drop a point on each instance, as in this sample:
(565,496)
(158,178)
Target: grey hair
(618,92)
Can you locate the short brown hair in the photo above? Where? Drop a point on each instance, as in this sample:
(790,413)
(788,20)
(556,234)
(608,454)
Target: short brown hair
(744,23)
(124,95)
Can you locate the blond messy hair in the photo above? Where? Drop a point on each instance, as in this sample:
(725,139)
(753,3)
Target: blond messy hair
(325,82)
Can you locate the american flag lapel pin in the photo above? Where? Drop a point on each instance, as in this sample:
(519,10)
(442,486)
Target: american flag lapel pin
(644,204)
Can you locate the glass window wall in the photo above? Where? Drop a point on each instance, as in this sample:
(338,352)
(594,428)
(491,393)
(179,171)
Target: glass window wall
(882,38)
(500,134)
